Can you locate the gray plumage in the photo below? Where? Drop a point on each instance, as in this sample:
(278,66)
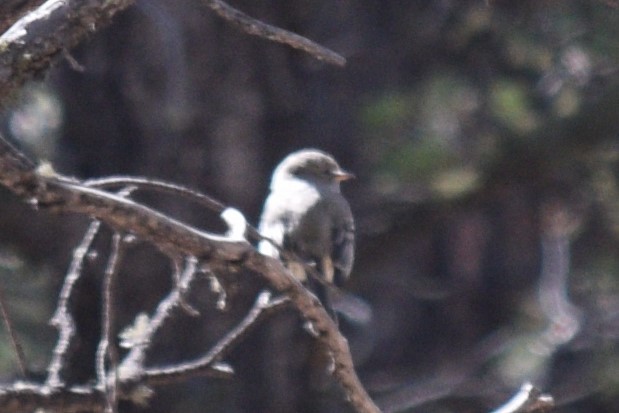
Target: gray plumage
(305,213)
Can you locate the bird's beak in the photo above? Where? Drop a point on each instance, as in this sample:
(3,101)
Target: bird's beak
(341,175)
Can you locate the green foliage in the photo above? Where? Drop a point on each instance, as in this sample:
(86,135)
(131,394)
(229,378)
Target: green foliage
(510,104)
(420,133)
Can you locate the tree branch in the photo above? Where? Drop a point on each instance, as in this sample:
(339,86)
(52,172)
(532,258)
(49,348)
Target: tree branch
(60,194)
(12,10)
(262,307)
(27,397)
(257,28)
(34,42)
(133,364)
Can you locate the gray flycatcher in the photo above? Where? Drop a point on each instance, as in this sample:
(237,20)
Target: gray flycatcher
(306,214)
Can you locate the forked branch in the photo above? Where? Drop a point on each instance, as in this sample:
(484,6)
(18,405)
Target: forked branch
(60,194)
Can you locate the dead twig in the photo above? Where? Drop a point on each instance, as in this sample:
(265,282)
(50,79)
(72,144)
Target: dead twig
(63,319)
(263,306)
(159,186)
(106,348)
(133,364)
(257,28)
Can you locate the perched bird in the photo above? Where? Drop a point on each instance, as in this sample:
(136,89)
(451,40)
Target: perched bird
(306,214)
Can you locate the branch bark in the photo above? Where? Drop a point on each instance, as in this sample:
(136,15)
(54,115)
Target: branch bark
(12,10)
(36,40)
(257,28)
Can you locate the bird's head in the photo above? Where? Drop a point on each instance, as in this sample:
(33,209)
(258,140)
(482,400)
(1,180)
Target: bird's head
(312,165)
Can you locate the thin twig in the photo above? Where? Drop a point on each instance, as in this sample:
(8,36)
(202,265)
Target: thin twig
(160,186)
(17,347)
(133,363)
(182,287)
(62,319)
(193,195)
(106,346)
(257,28)
(263,306)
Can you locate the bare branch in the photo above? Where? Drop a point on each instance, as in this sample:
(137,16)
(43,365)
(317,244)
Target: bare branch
(63,319)
(188,193)
(262,307)
(28,397)
(159,186)
(328,334)
(42,36)
(133,364)
(60,194)
(182,282)
(257,28)
(35,41)
(12,10)
(106,348)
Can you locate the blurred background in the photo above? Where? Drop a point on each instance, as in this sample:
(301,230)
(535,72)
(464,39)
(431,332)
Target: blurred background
(485,141)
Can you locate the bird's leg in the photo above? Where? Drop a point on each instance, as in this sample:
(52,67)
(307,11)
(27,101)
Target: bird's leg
(327,269)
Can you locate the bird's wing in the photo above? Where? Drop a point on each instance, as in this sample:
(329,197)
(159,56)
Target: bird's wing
(343,253)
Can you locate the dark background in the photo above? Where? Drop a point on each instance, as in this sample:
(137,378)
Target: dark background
(485,140)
